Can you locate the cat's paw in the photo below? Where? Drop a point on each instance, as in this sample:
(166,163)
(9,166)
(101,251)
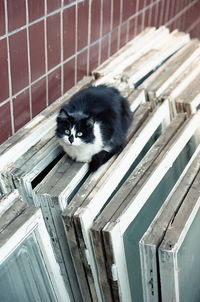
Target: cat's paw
(94,164)
(98,160)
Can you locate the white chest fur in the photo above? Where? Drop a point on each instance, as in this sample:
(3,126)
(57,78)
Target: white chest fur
(81,151)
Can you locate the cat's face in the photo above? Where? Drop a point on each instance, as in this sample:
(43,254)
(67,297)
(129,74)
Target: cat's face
(74,129)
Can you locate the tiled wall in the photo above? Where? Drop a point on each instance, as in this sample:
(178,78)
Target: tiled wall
(46,46)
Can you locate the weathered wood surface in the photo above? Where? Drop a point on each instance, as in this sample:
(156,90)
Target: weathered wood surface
(135,66)
(93,182)
(32,132)
(29,222)
(134,201)
(153,237)
(63,178)
(155,57)
(185,131)
(189,99)
(170,263)
(98,197)
(23,172)
(170,70)
(124,191)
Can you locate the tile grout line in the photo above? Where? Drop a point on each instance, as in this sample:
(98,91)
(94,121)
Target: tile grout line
(120,23)
(46,52)
(76,43)
(29,62)
(111,28)
(193,25)
(136,17)
(100,33)
(181,12)
(167,11)
(143,15)
(38,20)
(61,47)
(9,70)
(89,35)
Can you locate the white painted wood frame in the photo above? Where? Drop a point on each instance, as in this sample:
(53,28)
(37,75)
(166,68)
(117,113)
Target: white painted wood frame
(107,213)
(189,99)
(33,131)
(133,51)
(24,171)
(173,68)
(138,70)
(180,283)
(53,195)
(131,206)
(94,203)
(153,237)
(30,221)
(90,185)
(181,83)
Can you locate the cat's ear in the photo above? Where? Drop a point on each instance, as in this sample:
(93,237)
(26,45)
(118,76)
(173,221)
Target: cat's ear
(63,115)
(90,122)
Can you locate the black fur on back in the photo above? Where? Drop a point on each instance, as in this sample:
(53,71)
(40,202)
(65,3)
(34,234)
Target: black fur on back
(105,105)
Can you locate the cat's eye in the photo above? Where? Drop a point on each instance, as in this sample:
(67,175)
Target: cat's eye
(79,134)
(67,131)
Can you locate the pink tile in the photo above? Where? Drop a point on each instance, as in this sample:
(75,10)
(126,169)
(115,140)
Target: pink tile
(146,17)
(37,50)
(35,9)
(53,5)
(69,16)
(21,109)
(82,26)
(156,14)
(131,33)
(82,65)
(19,60)
(69,74)
(4,91)
(54,85)
(53,40)
(105,44)
(38,96)
(5,122)
(129,9)
(148,2)
(106,25)
(139,24)
(150,13)
(2,18)
(123,34)
(16,14)
(95,20)
(167,11)
(172,9)
(93,56)
(161,10)
(67,2)
(141,4)
(116,13)
(114,41)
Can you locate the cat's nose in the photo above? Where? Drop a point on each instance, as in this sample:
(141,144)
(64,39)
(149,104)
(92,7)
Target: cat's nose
(71,139)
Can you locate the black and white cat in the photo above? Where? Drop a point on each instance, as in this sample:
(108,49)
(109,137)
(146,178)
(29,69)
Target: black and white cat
(92,127)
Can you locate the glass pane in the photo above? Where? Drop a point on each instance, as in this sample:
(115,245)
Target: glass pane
(188,259)
(140,156)
(23,276)
(140,224)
